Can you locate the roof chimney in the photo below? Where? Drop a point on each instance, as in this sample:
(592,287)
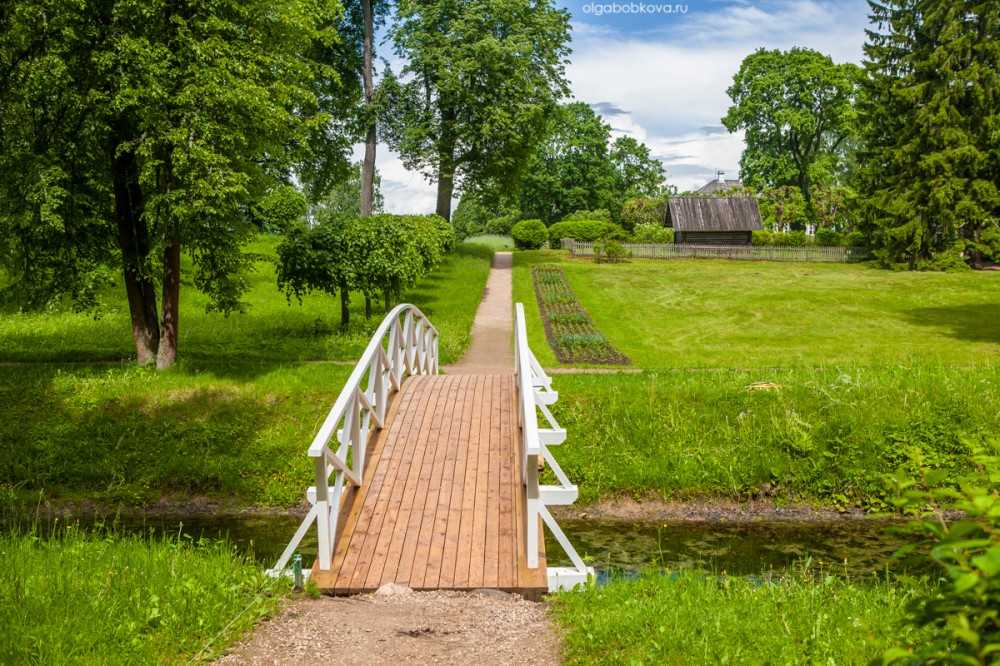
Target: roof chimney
(721,177)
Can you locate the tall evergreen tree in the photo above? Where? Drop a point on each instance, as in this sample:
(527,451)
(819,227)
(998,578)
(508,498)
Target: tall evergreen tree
(931,128)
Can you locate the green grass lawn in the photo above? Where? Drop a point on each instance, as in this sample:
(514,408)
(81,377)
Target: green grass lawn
(492,241)
(233,419)
(271,329)
(741,314)
(694,618)
(106,599)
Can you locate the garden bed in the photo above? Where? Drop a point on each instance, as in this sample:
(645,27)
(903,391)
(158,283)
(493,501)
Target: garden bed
(570,332)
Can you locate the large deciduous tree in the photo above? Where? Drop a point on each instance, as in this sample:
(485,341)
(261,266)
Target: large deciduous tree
(797,110)
(579,167)
(131,132)
(481,79)
(931,121)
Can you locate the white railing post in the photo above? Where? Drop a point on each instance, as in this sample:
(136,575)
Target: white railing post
(325,544)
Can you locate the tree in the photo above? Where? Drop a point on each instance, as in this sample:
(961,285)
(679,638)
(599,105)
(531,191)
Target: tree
(797,109)
(344,198)
(571,169)
(931,109)
(481,79)
(130,132)
(637,174)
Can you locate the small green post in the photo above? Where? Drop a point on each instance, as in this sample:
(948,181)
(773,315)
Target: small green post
(297,572)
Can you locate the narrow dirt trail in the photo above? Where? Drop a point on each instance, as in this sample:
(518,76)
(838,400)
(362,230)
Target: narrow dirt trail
(492,348)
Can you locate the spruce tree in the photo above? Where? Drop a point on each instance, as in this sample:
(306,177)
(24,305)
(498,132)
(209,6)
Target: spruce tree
(931,110)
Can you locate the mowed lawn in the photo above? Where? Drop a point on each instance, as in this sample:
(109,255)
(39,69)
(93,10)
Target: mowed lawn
(231,420)
(737,314)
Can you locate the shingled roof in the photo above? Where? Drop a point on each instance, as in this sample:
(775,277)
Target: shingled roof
(714,214)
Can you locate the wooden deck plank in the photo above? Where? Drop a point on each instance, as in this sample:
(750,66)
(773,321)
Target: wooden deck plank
(443,504)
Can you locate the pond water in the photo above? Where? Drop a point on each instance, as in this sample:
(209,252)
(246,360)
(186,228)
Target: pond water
(856,548)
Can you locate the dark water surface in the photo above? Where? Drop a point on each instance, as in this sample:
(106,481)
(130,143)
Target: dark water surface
(856,548)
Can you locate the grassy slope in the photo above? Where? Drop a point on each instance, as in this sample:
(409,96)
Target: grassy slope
(697,619)
(708,313)
(116,600)
(829,435)
(234,418)
(492,241)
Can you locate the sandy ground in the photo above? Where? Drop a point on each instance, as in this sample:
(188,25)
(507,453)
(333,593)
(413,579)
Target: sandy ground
(396,626)
(492,347)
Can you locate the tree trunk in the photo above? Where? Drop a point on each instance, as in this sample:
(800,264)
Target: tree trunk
(371,139)
(368,306)
(446,163)
(345,306)
(133,240)
(167,353)
(806,188)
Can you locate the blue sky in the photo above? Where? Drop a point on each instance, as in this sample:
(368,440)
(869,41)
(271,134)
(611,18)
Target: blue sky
(662,76)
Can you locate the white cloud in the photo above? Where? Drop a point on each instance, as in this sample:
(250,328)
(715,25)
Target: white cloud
(666,83)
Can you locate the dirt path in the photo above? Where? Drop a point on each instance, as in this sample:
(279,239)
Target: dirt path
(397,626)
(492,347)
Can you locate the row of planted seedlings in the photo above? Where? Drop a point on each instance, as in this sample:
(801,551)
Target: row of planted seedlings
(570,332)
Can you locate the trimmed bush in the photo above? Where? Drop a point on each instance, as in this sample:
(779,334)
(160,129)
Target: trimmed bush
(609,252)
(763,237)
(829,238)
(585,231)
(653,233)
(502,226)
(529,234)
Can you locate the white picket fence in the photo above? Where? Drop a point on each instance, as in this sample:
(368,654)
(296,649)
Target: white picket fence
(747,252)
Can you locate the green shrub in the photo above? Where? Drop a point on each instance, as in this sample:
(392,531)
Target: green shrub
(601,214)
(653,233)
(502,226)
(781,239)
(962,614)
(584,231)
(763,237)
(829,238)
(529,234)
(640,211)
(855,239)
(609,252)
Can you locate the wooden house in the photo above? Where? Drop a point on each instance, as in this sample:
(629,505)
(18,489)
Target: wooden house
(713,221)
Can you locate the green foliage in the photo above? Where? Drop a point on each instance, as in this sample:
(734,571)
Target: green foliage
(579,168)
(344,197)
(584,230)
(829,238)
(643,211)
(797,111)
(930,109)
(783,209)
(529,234)
(497,243)
(502,225)
(470,217)
(609,252)
(127,129)
(697,618)
(652,233)
(599,215)
(377,255)
(963,615)
(108,599)
(479,84)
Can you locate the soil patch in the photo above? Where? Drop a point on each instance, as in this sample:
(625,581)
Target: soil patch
(403,627)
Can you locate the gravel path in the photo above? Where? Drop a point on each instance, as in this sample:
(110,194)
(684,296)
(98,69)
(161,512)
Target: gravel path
(492,348)
(396,626)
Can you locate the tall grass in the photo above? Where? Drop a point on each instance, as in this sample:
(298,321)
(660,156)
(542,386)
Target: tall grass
(694,618)
(109,599)
(830,435)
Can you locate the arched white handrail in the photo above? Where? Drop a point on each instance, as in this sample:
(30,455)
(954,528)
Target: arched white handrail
(535,394)
(404,344)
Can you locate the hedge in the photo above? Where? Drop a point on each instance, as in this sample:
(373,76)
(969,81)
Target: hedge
(584,230)
(529,234)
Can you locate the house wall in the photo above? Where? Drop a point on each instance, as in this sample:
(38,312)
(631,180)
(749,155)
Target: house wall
(713,238)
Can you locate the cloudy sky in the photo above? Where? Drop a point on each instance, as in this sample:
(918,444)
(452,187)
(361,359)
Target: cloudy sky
(662,77)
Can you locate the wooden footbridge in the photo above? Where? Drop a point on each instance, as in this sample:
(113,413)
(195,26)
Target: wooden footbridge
(430,480)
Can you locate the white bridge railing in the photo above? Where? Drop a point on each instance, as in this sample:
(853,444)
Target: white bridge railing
(535,394)
(404,344)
